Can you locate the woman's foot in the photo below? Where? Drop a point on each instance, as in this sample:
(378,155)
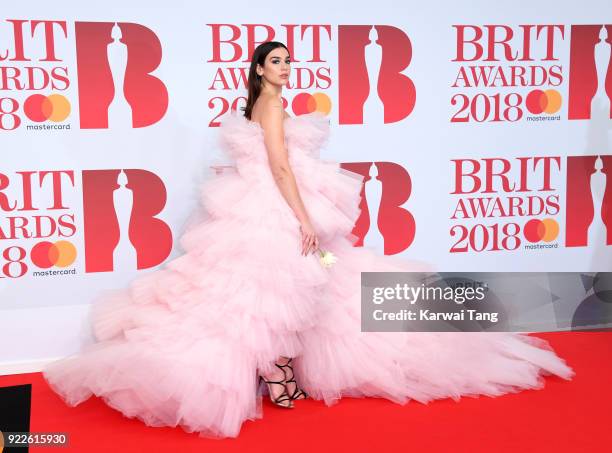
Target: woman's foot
(294,392)
(277,388)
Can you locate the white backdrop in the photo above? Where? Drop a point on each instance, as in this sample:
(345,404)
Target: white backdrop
(56,78)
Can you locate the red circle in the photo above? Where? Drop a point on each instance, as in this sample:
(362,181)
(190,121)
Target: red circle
(35,107)
(534,101)
(40,254)
(302,103)
(534,230)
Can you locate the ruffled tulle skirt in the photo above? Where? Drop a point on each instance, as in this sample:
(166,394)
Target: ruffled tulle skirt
(184,344)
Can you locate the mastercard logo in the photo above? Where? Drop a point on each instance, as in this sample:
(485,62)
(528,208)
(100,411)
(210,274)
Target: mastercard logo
(41,108)
(46,254)
(537,230)
(548,101)
(308,103)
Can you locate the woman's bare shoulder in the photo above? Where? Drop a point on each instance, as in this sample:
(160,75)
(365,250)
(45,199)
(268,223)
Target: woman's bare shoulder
(268,106)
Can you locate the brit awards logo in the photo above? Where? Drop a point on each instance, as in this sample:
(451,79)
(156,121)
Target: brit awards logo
(230,55)
(114,63)
(513,73)
(116,86)
(588,218)
(507,73)
(38,223)
(385,223)
(119,217)
(372,85)
(590,87)
(40,232)
(505,204)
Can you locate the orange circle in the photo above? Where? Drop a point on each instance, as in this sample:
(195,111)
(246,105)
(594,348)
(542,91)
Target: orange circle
(551,230)
(60,107)
(67,253)
(554,101)
(323,103)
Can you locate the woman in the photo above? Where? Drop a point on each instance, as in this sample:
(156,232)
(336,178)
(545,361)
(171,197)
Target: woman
(185,345)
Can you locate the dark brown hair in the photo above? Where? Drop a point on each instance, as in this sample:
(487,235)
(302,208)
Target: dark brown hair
(254,81)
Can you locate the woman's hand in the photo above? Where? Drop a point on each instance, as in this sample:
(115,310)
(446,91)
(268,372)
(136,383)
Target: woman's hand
(310,242)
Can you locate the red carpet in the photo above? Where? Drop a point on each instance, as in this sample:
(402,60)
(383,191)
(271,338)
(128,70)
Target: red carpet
(572,416)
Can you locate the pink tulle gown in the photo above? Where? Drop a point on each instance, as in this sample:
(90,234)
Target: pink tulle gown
(184,344)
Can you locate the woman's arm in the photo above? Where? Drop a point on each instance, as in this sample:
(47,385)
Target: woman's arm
(278,159)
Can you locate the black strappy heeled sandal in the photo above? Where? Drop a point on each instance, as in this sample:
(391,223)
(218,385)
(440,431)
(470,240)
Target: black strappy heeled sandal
(298,393)
(284,396)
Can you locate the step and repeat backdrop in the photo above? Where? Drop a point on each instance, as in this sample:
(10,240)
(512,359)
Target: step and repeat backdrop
(482,132)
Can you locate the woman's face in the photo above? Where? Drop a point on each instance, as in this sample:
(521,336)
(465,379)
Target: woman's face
(277,67)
